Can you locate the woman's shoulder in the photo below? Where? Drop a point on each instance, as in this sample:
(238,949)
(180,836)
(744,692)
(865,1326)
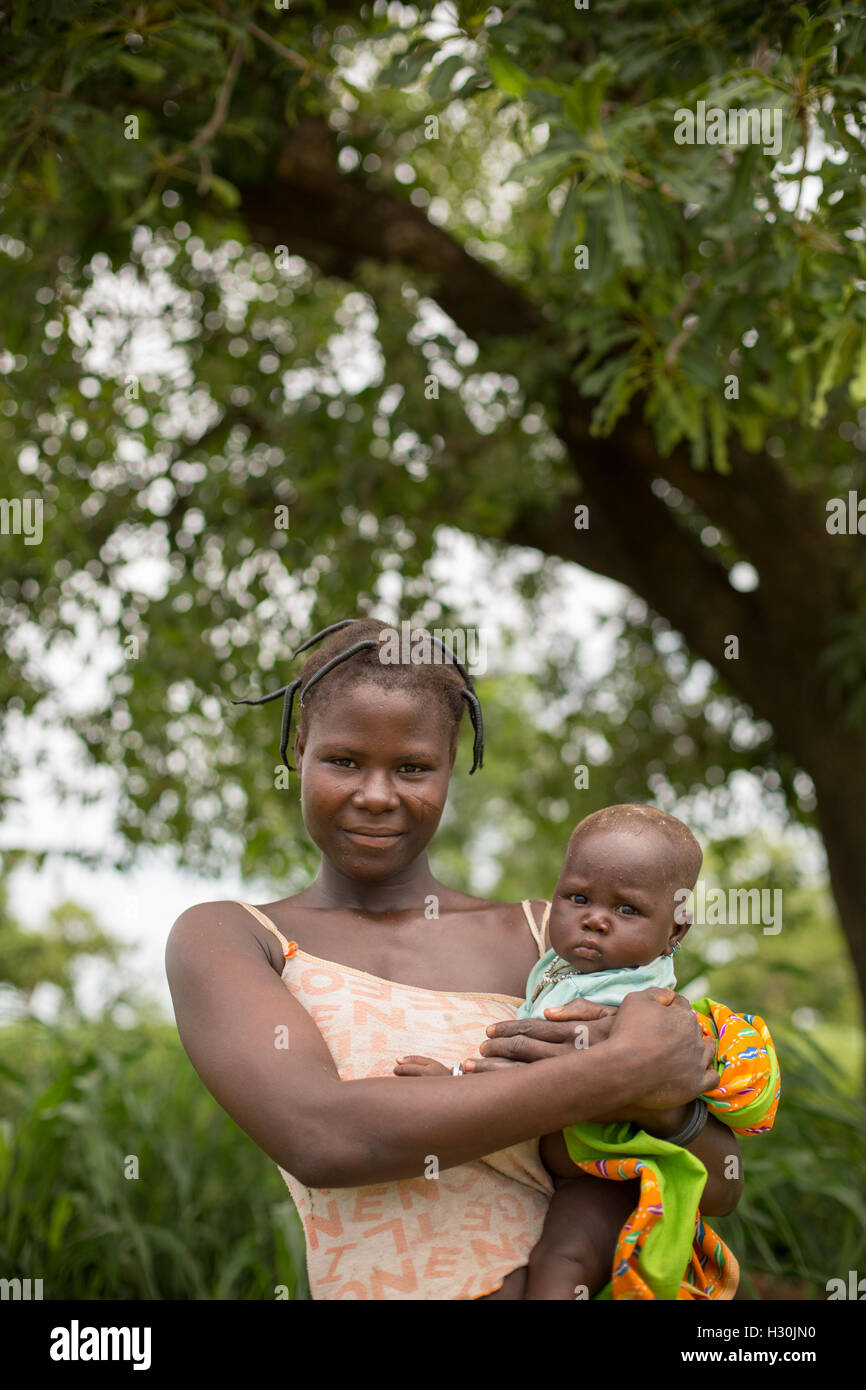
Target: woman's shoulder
(218,913)
(225,922)
(526,915)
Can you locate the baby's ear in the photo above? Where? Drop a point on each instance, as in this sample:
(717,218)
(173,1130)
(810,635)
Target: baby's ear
(682,917)
(675,937)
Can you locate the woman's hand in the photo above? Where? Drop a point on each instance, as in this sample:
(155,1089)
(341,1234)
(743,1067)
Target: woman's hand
(663,1048)
(579,1024)
(662,1043)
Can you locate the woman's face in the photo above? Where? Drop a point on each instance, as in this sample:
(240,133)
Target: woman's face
(374,767)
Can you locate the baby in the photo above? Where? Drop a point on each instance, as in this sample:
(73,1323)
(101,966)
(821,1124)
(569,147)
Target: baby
(614,927)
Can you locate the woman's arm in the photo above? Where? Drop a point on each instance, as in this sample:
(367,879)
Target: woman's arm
(264,1060)
(716,1146)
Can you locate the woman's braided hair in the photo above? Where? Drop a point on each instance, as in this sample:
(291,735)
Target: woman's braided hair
(349,656)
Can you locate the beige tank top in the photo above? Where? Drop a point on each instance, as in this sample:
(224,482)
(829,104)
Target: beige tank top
(452,1236)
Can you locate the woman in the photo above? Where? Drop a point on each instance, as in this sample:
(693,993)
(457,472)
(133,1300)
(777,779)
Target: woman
(295,1015)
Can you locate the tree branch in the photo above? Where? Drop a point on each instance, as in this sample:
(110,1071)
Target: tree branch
(221,106)
(336,221)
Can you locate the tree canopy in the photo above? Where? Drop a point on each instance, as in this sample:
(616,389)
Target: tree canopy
(286,291)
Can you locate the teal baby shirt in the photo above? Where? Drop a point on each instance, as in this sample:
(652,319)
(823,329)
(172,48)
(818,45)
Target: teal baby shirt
(611,987)
(600,986)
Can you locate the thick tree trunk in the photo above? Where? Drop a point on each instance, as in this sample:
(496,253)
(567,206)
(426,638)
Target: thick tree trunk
(840,813)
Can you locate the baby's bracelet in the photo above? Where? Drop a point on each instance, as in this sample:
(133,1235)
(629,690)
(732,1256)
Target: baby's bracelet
(693,1126)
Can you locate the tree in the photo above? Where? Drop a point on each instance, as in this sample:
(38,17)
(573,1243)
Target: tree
(671,335)
(51,955)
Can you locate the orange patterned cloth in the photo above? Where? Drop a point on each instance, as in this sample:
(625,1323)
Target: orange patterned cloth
(665,1249)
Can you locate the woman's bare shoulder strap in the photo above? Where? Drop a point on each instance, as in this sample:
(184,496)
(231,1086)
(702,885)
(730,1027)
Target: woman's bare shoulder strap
(539,933)
(288,948)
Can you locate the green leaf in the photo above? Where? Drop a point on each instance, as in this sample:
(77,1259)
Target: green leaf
(61,1212)
(748,160)
(615,400)
(50,175)
(718,437)
(621,212)
(564,229)
(659,231)
(730,89)
(857,85)
(191,37)
(833,124)
(441,77)
(225,191)
(753,431)
(141,68)
(698,365)
(857,388)
(593,383)
(472,83)
(699,444)
(406,69)
(595,80)
(142,213)
(834,368)
(507,75)
(19,18)
(766,398)
(601,262)
(546,163)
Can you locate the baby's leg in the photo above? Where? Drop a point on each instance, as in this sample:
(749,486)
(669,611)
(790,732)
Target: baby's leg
(574,1256)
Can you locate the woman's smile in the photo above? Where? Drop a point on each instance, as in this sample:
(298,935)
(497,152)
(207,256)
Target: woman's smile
(378,838)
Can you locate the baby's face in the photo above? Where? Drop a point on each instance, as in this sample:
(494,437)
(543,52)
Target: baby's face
(613,905)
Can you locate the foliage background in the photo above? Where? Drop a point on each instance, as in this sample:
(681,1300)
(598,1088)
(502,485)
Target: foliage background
(151,261)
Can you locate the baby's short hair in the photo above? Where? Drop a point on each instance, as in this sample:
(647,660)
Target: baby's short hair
(686,854)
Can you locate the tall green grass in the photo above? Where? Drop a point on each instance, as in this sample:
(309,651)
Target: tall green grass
(802,1218)
(209,1218)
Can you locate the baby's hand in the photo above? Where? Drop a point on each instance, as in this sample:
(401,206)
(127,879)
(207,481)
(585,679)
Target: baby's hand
(420,1066)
